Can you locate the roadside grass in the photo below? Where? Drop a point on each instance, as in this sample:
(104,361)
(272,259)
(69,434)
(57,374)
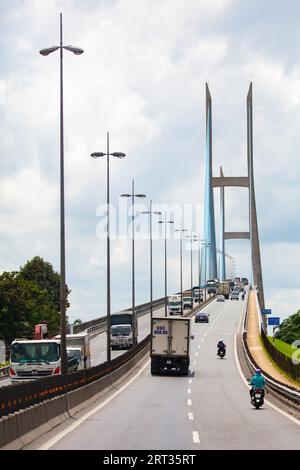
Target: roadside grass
(294,382)
(283,347)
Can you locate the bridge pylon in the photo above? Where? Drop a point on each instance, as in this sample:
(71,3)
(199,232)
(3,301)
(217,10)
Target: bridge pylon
(221,182)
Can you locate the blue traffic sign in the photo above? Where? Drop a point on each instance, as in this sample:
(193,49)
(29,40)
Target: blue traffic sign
(274,321)
(266,311)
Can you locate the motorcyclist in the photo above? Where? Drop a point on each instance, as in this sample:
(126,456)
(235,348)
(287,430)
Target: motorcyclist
(221,346)
(257,381)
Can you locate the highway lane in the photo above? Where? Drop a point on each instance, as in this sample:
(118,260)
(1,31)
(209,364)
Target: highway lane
(210,410)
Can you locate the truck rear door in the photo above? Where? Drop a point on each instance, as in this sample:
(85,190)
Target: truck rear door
(180,338)
(160,336)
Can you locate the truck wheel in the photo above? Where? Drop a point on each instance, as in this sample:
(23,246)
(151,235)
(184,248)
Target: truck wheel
(183,370)
(155,370)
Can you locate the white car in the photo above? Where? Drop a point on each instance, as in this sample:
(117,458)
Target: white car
(220,298)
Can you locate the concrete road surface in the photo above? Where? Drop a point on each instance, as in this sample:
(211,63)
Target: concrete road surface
(209,410)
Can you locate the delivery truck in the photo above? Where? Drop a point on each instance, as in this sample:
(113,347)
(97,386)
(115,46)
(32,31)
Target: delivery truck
(224,289)
(170,345)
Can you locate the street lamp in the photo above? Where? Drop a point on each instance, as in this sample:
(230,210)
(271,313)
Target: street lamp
(166,269)
(134,320)
(45,52)
(205,244)
(108,304)
(150,212)
(193,238)
(181,287)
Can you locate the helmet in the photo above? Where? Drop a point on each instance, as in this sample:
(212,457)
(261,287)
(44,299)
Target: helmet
(258,371)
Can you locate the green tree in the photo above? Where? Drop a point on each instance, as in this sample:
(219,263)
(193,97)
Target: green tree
(289,329)
(43,274)
(22,305)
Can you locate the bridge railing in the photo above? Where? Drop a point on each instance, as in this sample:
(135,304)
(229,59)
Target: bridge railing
(284,362)
(100,323)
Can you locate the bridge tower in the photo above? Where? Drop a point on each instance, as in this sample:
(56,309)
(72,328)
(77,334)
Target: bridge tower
(233,181)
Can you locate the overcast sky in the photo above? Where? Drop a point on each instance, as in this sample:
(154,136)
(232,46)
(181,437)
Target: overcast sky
(142,78)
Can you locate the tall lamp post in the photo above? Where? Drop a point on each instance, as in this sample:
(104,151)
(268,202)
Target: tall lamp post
(205,244)
(181,230)
(193,238)
(150,213)
(133,195)
(45,52)
(108,292)
(166,268)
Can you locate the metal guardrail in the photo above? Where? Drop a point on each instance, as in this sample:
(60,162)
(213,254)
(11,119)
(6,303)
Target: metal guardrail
(278,388)
(99,322)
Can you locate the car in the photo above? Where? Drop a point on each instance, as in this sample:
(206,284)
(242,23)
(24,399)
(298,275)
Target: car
(235,295)
(201,317)
(220,298)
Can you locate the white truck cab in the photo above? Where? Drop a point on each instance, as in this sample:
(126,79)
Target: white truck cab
(121,336)
(31,359)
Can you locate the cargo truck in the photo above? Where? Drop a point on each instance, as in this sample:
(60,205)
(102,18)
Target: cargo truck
(78,345)
(174,305)
(224,289)
(170,345)
(122,330)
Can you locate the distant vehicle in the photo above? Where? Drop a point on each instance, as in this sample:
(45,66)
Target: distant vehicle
(235,295)
(245,281)
(121,337)
(212,286)
(124,318)
(224,289)
(170,345)
(201,317)
(174,305)
(220,298)
(257,398)
(187,302)
(197,294)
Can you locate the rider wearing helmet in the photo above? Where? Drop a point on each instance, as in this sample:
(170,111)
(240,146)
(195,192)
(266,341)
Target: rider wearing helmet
(257,381)
(221,346)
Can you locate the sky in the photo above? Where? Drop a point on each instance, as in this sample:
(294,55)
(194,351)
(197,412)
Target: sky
(142,79)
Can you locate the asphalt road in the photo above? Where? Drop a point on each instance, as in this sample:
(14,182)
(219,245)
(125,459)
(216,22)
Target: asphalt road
(208,410)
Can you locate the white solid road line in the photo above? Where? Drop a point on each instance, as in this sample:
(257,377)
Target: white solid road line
(196,439)
(292,418)
(78,422)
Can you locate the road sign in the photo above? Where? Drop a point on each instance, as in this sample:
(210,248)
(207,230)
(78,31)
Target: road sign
(266,311)
(274,321)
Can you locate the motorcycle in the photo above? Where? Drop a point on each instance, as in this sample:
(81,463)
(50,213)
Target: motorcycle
(257,397)
(221,352)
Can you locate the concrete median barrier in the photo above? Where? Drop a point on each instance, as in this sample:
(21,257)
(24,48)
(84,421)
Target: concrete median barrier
(22,427)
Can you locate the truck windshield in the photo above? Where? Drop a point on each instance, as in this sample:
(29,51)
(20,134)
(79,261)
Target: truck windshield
(74,353)
(34,352)
(121,330)
(174,303)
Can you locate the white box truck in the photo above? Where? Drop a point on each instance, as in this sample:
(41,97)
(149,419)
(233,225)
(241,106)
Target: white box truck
(174,305)
(170,345)
(78,345)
